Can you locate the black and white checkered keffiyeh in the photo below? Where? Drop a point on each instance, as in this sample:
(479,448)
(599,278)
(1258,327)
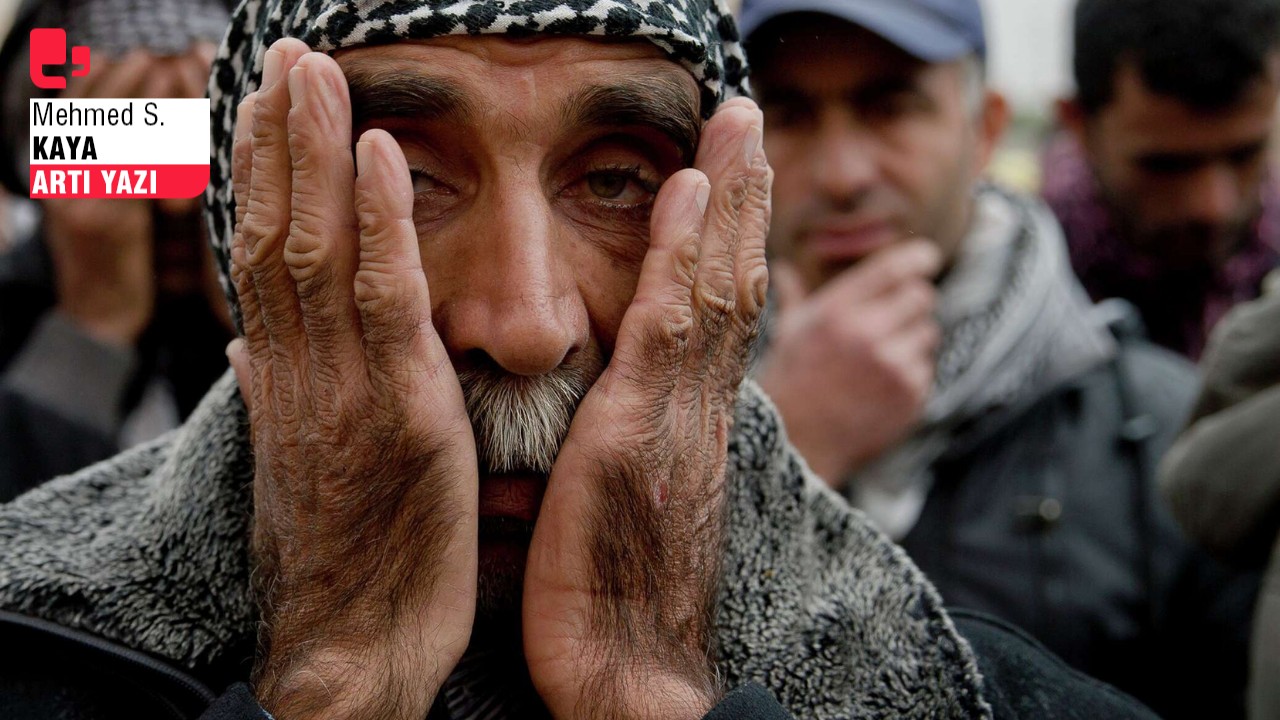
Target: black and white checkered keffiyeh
(700,35)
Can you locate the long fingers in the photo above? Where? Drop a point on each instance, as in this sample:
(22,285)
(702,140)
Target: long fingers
(703,282)
(241,277)
(319,254)
(266,224)
(390,287)
(659,323)
(884,272)
(732,274)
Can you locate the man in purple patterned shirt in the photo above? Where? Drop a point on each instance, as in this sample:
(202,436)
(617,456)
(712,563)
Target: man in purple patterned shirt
(1162,182)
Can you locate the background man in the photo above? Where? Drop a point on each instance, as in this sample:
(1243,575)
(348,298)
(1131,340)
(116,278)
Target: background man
(935,359)
(1164,188)
(111,317)
(497,460)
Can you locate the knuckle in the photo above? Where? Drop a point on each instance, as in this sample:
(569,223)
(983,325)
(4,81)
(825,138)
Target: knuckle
(754,287)
(269,110)
(305,253)
(379,287)
(685,260)
(378,213)
(715,307)
(260,239)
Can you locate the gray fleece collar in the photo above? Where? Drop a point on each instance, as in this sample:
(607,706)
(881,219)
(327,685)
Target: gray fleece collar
(150,549)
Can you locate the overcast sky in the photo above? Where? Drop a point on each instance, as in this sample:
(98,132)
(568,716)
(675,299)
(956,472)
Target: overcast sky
(1030,52)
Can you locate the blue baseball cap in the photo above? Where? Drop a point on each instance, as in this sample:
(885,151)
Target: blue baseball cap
(930,30)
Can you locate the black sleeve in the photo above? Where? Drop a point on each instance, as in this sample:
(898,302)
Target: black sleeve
(749,702)
(37,445)
(1022,679)
(237,703)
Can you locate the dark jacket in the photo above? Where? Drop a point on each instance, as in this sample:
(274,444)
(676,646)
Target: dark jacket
(65,397)
(1050,519)
(71,675)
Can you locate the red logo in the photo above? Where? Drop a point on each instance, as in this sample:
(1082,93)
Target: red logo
(49,48)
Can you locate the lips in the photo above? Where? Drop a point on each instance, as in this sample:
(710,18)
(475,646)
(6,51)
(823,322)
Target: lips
(512,495)
(848,242)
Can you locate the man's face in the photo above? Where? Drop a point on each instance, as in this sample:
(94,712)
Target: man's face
(869,147)
(535,165)
(1183,182)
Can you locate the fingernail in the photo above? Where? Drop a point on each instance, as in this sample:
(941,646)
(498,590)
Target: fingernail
(364,152)
(271,66)
(701,196)
(297,85)
(752,144)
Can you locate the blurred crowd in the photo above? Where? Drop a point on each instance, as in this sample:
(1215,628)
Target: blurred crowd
(1064,408)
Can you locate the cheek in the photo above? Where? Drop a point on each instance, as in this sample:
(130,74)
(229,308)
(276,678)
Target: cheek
(792,191)
(791,169)
(607,287)
(924,163)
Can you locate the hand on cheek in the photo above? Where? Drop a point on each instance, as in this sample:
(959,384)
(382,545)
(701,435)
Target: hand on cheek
(621,582)
(361,439)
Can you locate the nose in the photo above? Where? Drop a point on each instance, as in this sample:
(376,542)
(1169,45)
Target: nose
(506,289)
(843,158)
(1214,195)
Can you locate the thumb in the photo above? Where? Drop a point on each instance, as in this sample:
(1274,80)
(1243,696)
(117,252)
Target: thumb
(788,287)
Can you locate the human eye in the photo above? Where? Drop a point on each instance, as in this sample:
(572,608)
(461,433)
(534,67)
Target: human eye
(621,185)
(424,182)
(1169,163)
(432,196)
(786,111)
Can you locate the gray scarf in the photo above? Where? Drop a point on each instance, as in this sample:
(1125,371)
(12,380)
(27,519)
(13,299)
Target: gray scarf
(1015,325)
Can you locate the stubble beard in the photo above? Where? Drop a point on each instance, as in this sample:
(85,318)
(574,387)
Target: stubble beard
(519,423)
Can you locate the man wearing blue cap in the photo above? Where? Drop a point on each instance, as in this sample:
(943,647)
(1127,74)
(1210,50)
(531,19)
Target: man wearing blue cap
(934,358)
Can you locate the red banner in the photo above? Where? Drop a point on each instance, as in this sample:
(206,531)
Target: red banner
(117,181)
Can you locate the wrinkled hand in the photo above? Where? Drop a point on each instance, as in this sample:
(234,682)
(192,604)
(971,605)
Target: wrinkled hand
(623,568)
(103,250)
(365,492)
(851,366)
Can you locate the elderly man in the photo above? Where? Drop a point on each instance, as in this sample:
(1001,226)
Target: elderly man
(1163,183)
(934,358)
(497,278)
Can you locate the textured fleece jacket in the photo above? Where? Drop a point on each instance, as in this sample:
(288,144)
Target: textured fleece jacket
(149,552)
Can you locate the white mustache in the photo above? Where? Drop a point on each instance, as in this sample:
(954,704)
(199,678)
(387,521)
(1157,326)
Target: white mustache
(520,421)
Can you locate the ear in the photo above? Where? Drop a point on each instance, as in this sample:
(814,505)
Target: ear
(1071,117)
(992,122)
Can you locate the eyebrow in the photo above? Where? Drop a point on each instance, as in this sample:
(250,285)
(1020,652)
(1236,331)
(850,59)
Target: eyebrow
(381,94)
(652,101)
(1189,160)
